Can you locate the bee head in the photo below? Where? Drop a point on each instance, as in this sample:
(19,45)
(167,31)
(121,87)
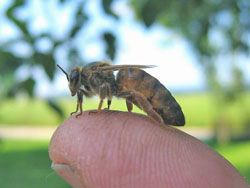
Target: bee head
(75,80)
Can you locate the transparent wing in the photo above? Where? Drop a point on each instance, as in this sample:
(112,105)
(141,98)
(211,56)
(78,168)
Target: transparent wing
(118,67)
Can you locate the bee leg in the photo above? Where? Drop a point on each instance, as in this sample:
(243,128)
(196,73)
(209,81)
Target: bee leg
(104,90)
(108,94)
(79,103)
(108,103)
(129,105)
(77,107)
(100,105)
(143,104)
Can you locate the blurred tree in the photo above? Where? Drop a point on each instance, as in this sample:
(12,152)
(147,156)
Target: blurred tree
(200,22)
(214,29)
(10,61)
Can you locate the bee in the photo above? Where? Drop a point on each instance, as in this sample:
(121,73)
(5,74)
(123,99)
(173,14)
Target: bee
(132,83)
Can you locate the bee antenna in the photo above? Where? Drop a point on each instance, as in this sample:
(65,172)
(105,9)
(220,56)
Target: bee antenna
(63,71)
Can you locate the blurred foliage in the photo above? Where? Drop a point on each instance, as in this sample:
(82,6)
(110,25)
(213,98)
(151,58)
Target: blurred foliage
(200,22)
(10,61)
(196,20)
(110,44)
(106,4)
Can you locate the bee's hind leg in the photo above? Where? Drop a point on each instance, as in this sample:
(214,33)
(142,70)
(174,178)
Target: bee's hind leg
(129,105)
(142,103)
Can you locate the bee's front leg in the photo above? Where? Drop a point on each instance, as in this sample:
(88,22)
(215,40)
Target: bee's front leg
(79,103)
(77,108)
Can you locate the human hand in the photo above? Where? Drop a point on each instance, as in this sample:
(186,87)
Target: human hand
(125,150)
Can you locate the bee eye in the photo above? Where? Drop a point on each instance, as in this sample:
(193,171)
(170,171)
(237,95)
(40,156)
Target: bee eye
(74,75)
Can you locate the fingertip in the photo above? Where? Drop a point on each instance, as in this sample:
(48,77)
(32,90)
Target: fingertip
(110,149)
(68,174)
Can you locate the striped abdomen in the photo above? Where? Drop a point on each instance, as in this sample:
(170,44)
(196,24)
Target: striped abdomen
(160,98)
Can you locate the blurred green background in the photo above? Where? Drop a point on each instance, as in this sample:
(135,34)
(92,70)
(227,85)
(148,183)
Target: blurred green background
(37,35)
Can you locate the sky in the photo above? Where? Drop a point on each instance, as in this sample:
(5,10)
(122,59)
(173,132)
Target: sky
(176,68)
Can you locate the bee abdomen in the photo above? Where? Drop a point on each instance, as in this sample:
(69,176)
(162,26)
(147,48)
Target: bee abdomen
(165,104)
(159,97)
(171,112)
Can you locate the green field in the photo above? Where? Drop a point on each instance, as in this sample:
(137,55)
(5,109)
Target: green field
(27,164)
(199,110)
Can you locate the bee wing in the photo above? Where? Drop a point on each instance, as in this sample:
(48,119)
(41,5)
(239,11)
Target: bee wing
(118,67)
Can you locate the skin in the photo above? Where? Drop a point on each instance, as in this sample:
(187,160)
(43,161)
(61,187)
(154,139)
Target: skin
(123,150)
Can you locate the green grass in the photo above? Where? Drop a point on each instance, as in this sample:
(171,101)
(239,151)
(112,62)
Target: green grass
(199,109)
(27,164)
(36,112)
(27,112)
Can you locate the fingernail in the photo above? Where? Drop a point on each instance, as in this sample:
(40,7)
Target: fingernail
(68,174)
